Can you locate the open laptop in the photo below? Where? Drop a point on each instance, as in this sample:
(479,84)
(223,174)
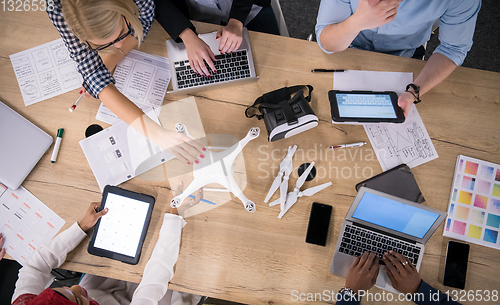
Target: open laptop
(232,67)
(22,144)
(379,222)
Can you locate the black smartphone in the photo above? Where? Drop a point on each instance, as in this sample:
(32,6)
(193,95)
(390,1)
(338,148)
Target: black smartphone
(455,269)
(319,222)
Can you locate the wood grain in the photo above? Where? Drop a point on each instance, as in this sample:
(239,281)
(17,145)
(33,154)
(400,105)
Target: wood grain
(255,258)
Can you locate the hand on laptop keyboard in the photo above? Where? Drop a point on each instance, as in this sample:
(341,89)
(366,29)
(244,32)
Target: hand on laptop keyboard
(363,272)
(198,53)
(230,36)
(403,275)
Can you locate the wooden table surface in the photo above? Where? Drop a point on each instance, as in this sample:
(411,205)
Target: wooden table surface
(255,258)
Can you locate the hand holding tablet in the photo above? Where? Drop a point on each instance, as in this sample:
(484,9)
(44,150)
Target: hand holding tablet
(92,216)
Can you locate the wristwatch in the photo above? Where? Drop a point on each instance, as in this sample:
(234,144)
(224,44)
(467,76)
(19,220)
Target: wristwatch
(416,89)
(348,291)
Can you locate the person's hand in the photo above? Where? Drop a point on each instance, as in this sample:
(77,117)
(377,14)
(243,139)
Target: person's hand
(2,249)
(405,101)
(186,205)
(403,275)
(371,14)
(83,90)
(91,217)
(181,146)
(230,36)
(198,53)
(363,272)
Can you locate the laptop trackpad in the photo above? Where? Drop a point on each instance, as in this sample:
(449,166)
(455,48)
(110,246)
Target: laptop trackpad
(382,278)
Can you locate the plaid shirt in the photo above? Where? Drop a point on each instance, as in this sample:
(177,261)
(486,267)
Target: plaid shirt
(95,74)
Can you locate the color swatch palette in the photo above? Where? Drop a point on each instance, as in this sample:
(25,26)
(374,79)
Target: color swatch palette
(474,208)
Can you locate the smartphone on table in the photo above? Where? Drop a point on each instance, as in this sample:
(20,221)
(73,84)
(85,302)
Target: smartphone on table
(455,269)
(319,222)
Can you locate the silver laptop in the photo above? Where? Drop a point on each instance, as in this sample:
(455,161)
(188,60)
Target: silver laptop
(379,222)
(22,144)
(231,68)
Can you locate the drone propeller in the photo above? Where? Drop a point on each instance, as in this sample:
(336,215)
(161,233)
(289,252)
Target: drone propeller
(286,163)
(313,190)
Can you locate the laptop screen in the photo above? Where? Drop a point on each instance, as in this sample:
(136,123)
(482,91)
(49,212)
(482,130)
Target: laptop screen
(395,215)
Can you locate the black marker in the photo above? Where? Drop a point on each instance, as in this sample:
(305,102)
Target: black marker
(326,70)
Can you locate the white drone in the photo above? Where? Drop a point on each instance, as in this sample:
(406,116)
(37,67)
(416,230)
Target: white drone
(292,197)
(217,167)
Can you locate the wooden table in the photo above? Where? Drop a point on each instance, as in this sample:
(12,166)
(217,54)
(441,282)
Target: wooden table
(256,258)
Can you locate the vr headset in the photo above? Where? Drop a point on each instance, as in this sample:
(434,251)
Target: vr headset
(286,112)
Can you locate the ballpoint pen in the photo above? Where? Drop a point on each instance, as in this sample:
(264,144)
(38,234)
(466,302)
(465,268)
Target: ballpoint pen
(328,70)
(73,107)
(359,144)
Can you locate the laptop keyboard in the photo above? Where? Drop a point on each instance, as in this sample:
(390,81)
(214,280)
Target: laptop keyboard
(231,66)
(356,241)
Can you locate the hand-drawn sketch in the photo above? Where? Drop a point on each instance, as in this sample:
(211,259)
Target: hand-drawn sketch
(407,143)
(35,73)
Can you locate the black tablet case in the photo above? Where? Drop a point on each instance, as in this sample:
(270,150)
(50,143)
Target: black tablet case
(398,181)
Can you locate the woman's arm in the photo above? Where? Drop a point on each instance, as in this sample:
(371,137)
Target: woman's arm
(35,275)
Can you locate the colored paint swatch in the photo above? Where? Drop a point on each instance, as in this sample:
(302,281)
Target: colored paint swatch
(495,205)
(459,227)
(471,168)
(475,231)
(490,236)
(497,176)
(452,208)
(477,216)
(462,212)
(465,197)
(486,171)
(454,195)
(457,180)
(483,186)
(468,183)
(480,201)
(496,190)
(493,221)
(461,165)
(448,224)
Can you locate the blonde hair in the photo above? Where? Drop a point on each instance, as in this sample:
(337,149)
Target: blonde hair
(99,19)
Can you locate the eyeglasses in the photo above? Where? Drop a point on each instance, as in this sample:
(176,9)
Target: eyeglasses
(120,38)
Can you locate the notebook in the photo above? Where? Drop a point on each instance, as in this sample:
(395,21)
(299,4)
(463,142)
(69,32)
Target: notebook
(22,144)
(379,222)
(231,68)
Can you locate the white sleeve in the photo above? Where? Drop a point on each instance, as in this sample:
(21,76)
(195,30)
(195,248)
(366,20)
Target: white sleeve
(35,275)
(160,267)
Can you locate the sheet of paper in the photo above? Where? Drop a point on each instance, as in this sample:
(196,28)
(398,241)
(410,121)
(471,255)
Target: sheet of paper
(45,71)
(119,153)
(408,143)
(372,81)
(394,144)
(25,222)
(474,208)
(141,77)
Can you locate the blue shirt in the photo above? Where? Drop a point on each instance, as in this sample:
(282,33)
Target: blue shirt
(412,26)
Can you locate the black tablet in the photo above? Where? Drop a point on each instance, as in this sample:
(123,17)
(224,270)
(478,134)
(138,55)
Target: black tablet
(365,107)
(121,232)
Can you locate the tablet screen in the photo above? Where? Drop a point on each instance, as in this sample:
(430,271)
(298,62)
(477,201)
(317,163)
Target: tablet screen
(121,228)
(365,106)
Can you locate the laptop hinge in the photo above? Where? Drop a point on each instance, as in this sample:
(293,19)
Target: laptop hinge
(385,233)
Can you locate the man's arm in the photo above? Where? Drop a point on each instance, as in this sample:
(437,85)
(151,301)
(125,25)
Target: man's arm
(336,28)
(437,69)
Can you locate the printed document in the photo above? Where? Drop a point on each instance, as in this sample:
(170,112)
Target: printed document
(143,78)
(45,71)
(25,222)
(119,153)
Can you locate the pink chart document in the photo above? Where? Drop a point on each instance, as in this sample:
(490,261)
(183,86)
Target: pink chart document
(25,222)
